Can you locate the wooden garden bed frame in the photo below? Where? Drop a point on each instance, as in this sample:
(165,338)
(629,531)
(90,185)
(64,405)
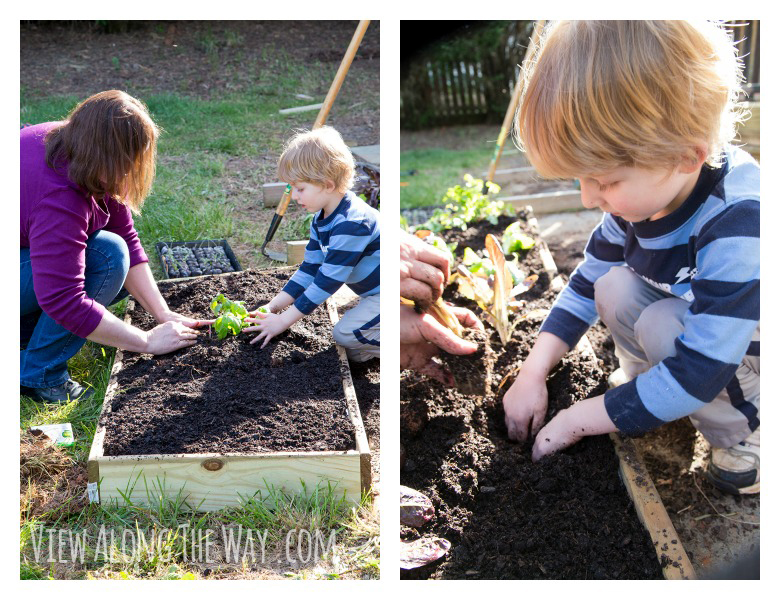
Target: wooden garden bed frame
(633,472)
(212,481)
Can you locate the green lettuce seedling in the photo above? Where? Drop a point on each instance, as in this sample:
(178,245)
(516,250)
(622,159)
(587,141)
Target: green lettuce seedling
(514,240)
(230,316)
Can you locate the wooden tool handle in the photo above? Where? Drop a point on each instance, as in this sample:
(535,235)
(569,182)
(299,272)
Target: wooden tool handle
(335,86)
(510,111)
(341,74)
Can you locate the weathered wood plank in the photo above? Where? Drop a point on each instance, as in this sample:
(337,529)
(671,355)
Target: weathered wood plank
(297,109)
(647,503)
(361,439)
(215,481)
(370,154)
(272,193)
(548,202)
(514,175)
(651,511)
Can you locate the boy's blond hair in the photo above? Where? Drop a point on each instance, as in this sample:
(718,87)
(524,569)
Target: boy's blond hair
(317,157)
(600,95)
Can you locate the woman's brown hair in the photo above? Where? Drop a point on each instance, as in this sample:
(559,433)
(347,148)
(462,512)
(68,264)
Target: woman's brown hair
(109,142)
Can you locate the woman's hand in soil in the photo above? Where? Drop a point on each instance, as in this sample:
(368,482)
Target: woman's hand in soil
(422,336)
(525,405)
(168,337)
(588,417)
(424,271)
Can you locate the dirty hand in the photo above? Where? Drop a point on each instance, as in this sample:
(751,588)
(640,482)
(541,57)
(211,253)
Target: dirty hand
(257,312)
(269,325)
(168,337)
(587,417)
(170,316)
(525,404)
(424,271)
(422,336)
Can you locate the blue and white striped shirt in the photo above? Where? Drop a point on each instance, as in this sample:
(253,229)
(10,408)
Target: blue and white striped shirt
(343,248)
(705,252)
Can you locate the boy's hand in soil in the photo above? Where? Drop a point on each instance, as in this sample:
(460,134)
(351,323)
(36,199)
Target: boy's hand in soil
(270,325)
(587,417)
(525,402)
(422,336)
(174,317)
(265,309)
(424,271)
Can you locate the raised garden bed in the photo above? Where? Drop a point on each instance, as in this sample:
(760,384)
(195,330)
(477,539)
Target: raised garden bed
(192,259)
(224,419)
(569,516)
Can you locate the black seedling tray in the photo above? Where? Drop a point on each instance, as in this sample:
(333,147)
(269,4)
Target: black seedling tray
(175,266)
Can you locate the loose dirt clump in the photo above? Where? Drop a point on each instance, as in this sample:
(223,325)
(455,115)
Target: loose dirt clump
(472,372)
(228,395)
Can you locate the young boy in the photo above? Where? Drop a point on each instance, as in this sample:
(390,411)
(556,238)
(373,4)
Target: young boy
(641,113)
(343,245)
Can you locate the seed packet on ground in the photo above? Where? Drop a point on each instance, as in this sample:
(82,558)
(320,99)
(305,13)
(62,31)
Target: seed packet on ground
(60,434)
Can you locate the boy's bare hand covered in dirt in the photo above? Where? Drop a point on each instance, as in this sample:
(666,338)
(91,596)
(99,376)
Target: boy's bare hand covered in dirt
(271,324)
(587,417)
(424,271)
(422,336)
(525,402)
(525,405)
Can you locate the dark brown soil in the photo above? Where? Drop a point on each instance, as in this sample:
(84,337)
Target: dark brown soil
(568,516)
(228,395)
(472,372)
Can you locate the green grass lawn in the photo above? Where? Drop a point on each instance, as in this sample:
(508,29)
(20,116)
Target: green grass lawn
(440,157)
(208,184)
(438,169)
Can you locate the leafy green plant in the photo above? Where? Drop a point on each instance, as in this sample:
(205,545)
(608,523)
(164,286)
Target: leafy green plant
(230,316)
(493,283)
(514,240)
(467,203)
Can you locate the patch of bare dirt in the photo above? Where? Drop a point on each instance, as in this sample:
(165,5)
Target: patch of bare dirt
(50,482)
(206,59)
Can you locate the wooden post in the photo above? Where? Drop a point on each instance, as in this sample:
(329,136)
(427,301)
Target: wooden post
(295,251)
(510,111)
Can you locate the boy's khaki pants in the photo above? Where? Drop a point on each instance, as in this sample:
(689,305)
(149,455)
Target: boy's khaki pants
(644,322)
(358,330)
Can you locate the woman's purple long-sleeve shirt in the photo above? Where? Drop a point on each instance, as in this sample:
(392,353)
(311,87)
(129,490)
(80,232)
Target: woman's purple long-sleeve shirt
(57,216)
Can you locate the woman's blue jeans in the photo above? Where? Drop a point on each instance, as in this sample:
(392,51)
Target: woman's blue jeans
(44,362)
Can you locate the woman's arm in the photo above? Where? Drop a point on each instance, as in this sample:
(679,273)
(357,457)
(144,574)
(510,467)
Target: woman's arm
(164,338)
(142,286)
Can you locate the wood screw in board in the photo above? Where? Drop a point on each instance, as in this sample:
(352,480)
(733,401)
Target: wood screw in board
(212,464)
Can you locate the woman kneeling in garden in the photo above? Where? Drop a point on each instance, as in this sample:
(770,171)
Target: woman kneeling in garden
(80,180)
